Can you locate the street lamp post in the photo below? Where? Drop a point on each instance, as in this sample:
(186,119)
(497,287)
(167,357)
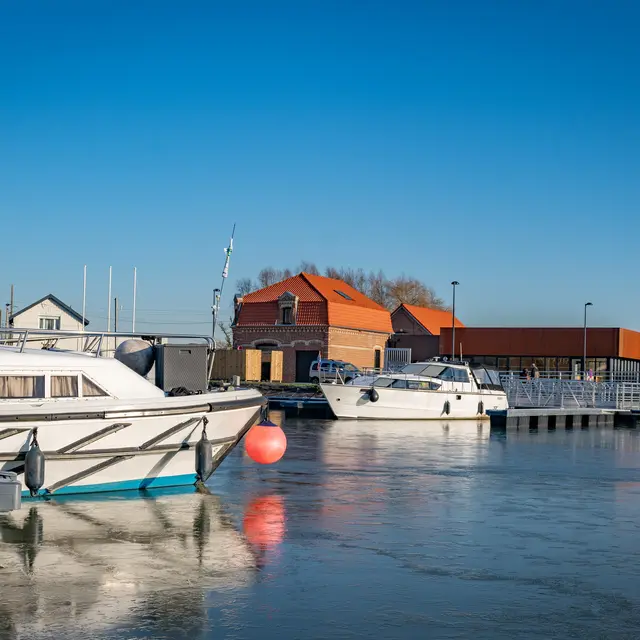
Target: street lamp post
(584,345)
(454,284)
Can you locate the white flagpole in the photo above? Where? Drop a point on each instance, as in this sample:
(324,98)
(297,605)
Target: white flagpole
(135,284)
(84,296)
(109,304)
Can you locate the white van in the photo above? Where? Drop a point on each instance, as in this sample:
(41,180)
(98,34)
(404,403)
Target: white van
(329,370)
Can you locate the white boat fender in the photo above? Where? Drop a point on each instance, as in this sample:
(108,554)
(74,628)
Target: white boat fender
(34,466)
(447,407)
(480,407)
(204,455)
(373,395)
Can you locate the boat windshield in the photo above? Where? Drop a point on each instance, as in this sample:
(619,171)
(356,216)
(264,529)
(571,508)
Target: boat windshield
(487,378)
(420,369)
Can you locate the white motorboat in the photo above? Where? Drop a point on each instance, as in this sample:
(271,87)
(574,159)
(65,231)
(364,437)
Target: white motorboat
(101,426)
(437,389)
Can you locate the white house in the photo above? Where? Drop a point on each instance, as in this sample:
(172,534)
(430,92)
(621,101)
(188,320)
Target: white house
(50,313)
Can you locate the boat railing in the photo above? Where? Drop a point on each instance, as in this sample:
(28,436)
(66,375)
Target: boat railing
(94,342)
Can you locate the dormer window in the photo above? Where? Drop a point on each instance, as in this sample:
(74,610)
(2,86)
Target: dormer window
(288,307)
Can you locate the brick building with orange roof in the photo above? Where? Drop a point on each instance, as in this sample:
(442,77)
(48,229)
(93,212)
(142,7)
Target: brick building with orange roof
(418,328)
(308,314)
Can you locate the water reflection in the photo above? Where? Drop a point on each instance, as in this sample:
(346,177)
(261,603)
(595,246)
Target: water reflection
(103,563)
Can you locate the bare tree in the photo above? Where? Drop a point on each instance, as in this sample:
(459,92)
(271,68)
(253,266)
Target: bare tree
(411,291)
(308,267)
(389,293)
(378,288)
(244,286)
(225,327)
(269,276)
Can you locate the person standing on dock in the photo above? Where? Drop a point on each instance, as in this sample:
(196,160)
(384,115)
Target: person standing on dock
(535,373)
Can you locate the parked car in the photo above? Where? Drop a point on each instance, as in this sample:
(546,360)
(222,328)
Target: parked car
(329,370)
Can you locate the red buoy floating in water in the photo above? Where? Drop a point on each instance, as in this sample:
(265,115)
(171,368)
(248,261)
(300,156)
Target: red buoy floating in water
(265,443)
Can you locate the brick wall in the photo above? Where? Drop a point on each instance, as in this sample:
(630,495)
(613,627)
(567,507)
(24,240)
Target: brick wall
(357,347)
(288,340)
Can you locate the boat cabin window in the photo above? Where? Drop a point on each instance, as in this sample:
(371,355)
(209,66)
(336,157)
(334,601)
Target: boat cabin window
(420,369)
(460,375)
(487,378)
(21,386)
(64,386)
(437,371)
(90,388)
(399,384)
(383,382)
(422,385)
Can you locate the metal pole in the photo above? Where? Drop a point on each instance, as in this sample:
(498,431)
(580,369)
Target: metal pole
(135,285)
(109,304)
(214,311)
(84,296)
(453,321)
(225,273)
(115,314)
(584,346)
(11,303)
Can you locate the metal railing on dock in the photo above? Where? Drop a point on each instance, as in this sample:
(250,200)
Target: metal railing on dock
(571,394)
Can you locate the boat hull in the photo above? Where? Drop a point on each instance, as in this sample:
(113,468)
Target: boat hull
(353,402)
(128,449)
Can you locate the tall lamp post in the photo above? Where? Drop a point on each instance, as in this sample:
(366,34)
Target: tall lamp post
(454,284)
(584,345)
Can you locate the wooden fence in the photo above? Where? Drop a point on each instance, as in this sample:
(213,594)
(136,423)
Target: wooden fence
(246,363)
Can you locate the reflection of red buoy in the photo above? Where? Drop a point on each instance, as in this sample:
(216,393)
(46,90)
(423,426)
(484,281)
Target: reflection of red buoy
(265,443)
(264,522)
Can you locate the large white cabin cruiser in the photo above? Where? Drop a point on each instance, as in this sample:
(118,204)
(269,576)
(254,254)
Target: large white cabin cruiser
(437,389)
(101,426)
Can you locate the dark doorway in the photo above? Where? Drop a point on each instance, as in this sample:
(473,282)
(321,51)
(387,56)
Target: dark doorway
(266,371)
(376,359)
(303,364)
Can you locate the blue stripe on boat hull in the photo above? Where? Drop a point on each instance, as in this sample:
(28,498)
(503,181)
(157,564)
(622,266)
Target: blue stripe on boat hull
(124,485)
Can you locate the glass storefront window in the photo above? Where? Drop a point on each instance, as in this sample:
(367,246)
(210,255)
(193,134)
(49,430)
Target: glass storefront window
(514,364)
(503,364)
(550,364)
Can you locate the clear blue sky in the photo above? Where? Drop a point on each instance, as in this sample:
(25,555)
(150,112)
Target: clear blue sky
(492,142)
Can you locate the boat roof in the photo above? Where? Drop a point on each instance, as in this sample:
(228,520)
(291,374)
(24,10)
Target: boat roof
(112,375)
(442,363)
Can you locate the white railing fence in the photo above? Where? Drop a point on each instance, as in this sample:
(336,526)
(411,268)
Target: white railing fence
(571,394)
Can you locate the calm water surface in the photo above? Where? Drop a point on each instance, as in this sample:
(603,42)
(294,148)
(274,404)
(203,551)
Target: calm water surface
(364,530)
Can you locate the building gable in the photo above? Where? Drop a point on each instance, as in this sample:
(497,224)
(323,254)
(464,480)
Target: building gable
(65,308)
(431,320)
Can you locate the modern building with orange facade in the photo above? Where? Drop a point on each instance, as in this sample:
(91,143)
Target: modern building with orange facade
(554,349)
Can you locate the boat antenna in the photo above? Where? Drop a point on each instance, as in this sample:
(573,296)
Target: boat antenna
(217,293)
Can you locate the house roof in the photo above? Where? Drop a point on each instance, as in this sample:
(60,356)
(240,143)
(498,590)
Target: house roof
(64,307)
(321,301)
(431,319)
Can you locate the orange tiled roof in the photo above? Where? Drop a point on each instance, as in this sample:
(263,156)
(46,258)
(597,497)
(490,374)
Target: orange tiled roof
(296,285)
(431,319)
(319,303)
